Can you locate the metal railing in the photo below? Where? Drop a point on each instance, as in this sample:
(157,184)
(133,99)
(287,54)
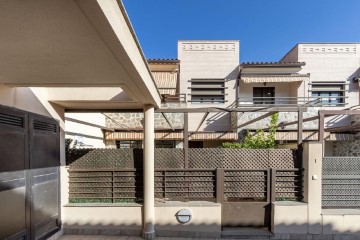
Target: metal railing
(177,97)
(291,101)
(220,185)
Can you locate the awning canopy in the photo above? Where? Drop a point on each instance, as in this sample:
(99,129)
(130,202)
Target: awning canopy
(172,136)
(166,82)
(257,78)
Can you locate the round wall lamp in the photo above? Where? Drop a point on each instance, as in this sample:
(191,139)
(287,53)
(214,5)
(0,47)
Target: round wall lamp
(183,216)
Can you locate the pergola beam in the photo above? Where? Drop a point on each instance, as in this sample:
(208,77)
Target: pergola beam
(167,120)
(202,121)
(325,113)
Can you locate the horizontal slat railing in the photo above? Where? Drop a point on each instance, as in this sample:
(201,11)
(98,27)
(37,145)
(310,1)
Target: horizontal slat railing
(292,101)
(221,185)
(289,184)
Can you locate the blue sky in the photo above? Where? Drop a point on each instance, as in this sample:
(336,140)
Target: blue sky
(267,29)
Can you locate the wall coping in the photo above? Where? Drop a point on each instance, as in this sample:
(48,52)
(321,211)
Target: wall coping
(103,205)
(348,211)
(157,204)
(289,203)
(187,204)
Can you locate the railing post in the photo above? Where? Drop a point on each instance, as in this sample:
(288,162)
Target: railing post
(219,185)
(113,187)
(164,184)
(273,185)
(268,185)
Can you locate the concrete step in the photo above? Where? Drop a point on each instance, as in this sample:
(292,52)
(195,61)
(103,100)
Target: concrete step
(246,233)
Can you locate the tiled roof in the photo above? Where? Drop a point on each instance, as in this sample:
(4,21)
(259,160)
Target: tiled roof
(163,60)
(274,64)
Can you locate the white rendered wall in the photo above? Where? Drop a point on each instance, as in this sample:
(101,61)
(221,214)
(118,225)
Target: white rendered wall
(84,130)
(332,62)
(209,60)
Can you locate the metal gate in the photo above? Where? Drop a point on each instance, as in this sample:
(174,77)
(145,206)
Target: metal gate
(341,182)
(29,175)
(246,194)
(246,200)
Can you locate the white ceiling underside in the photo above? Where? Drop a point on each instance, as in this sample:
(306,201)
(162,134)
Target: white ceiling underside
(73,43)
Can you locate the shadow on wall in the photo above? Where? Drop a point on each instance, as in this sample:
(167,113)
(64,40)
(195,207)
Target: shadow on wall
(117,221)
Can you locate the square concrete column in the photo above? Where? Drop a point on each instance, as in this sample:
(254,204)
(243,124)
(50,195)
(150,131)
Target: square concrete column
(312,162)
(149,203)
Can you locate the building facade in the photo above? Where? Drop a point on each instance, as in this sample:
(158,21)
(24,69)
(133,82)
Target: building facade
(208,74)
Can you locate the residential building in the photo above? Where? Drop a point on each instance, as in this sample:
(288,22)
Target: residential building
(60,58)
(207,74)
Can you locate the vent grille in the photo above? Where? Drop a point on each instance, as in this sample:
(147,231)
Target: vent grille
(46,229)
(11,120)
(44,126)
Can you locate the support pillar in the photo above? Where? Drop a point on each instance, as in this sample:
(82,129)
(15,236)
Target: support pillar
(149,146)
(313,153)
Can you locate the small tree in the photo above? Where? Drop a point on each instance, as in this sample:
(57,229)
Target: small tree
(258,140)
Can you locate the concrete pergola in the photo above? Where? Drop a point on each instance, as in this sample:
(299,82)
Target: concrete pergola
(78,55)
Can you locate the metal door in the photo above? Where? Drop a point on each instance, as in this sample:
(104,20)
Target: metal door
(29,175)
(246,201)
(13,162)
(44,175)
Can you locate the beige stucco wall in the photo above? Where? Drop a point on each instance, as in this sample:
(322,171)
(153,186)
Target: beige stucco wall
(344,221)
(206,218)
(98,217)
(296,222)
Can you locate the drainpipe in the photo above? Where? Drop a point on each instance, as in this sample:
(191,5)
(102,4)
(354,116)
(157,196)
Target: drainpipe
(149,202)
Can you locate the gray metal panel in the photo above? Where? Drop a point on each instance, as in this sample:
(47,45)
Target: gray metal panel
(12,212)
(243,214)
(341,182)
(13,161)
(44,175)
(13,139)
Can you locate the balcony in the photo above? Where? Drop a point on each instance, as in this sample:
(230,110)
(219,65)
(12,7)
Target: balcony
(319,101)
(177,97)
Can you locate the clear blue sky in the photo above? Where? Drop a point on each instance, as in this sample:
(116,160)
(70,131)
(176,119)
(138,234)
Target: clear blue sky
(267,29)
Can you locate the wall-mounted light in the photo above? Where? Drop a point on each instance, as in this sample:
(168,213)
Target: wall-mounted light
(264,83)
(183,216)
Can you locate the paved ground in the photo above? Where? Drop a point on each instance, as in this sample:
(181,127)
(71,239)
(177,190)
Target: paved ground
(92,237)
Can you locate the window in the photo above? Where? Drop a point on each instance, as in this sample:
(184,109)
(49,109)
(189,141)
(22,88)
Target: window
(164,144)
(207,91)
(129,144)
(264,95)
(329,93)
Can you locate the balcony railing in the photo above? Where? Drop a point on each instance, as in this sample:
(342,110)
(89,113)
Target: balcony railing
(291,101)
(178,97)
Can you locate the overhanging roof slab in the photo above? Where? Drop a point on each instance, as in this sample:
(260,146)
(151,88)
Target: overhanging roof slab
(72,43)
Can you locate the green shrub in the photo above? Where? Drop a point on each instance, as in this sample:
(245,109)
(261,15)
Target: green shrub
(258,140)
